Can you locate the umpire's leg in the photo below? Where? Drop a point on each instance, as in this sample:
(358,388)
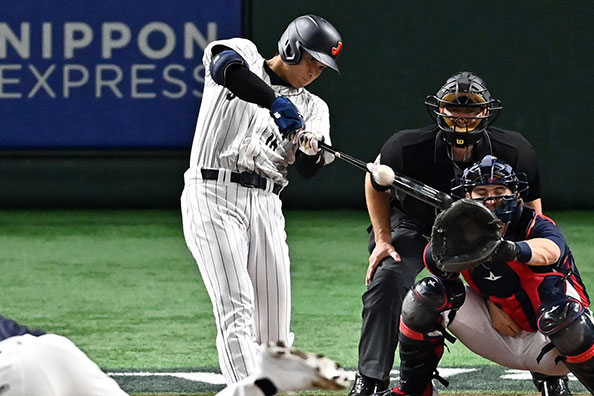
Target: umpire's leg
(382,301)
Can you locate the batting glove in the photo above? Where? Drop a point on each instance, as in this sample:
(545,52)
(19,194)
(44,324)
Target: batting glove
(286,117)
(308,142)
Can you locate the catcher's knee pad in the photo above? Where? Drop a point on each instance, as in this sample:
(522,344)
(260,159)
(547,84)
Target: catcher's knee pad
(421,332)
(429,297)
(569,326)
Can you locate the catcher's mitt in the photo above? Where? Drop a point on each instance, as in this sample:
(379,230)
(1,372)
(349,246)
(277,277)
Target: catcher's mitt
(464,236)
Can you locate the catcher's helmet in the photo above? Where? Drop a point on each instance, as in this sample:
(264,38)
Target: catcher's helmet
(491,170)
(463,90)
(313,34)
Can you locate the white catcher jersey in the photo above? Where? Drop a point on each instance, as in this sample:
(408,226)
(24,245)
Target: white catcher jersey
(250,141)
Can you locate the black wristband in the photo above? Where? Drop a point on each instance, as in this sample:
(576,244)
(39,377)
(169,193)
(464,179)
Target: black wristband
(266,386)
(308,165)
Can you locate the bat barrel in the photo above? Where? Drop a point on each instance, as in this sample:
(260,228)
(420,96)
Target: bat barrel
(418,190)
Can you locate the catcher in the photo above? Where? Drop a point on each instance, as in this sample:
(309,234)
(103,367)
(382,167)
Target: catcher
(524,305)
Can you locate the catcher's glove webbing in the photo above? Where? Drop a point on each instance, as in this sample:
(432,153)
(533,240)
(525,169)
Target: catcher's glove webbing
(464,236)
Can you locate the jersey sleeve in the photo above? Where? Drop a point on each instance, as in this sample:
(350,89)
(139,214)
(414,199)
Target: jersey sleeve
(317,119)
(544,227)
(432,267)
(243,47)
(391,155)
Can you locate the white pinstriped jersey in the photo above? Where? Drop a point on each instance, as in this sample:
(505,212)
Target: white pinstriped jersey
(241,136)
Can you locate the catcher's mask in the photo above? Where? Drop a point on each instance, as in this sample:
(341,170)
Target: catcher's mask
(493,171)
(313,34)
(463,109)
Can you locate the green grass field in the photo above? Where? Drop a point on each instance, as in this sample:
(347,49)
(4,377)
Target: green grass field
(123,286)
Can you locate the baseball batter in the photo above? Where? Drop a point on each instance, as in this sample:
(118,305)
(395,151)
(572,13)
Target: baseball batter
(255,120)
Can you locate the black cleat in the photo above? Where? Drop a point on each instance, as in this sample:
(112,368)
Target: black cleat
(551,385)
(366,386)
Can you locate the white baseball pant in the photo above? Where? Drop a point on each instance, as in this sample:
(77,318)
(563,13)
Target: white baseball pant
(472,326)
(237,237)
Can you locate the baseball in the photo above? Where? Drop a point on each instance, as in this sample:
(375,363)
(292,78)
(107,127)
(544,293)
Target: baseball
(383,175)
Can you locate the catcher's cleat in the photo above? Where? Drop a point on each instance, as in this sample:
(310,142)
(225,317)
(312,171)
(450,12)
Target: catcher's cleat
(396,391)
(551,385)
(366,386)
(290,369)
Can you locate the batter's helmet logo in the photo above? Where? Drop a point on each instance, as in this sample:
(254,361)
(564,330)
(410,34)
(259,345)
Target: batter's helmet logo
(336,50)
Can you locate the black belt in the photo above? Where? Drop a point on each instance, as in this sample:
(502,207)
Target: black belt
(246,179)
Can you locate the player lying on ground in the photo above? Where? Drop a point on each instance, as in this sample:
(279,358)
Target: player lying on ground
(34,363)
(524,305)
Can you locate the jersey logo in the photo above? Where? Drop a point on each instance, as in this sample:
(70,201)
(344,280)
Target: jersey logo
(336,50)
(492,277)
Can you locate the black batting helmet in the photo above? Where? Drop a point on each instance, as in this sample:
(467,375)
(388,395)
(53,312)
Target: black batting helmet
(313,34)
(463,90)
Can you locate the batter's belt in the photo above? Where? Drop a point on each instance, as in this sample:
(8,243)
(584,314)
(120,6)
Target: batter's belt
(246,179)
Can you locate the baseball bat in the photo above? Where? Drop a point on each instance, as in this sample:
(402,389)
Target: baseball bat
(412,187)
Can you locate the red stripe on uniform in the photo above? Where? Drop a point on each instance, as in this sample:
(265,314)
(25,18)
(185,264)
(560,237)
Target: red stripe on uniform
(548,218)
(425,256)
(582,357)
(410,333)
(531,225)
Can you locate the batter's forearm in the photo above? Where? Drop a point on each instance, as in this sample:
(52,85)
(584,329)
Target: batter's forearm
(249,87)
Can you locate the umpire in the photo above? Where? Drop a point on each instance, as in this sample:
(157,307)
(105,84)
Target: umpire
(463,111)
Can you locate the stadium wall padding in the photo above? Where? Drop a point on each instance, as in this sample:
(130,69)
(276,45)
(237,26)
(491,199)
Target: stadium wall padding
(536,57)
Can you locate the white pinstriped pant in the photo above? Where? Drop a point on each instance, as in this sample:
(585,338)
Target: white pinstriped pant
(237,237)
